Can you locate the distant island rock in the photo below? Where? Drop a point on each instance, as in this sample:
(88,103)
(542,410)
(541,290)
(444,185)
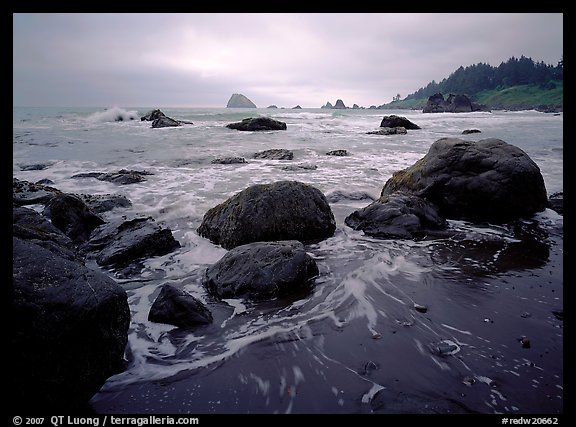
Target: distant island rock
(272,106)
(297,107)
(339,104)
(237,100)
(453,104)
(327,105)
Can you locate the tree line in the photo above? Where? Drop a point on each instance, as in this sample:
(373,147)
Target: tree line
(475,78)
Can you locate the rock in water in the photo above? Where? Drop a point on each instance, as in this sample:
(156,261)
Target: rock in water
(257,124)
(284,210)
(394,121)
(177,307)
(261,270)
(237,100)
(397,216)
(489,180)
(69,329)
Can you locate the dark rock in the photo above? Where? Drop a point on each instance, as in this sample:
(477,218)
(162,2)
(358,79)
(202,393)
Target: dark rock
(35,167)
(337,153)
(124,242)
(165,122)
(394,121)
(272,106)
(261,270)
(229,160)
(300,167)
(69,328)
(71,215)
(469,131)
(44,181)
(390,401)
(27,224)
(339,104)
(525,342)
(177,307)
(355,107)
(274,154)
(420,308)
(152,115)
(558,314)
(237,100)
(556,202)
(105,202)
(28,193)
(122,177)
(257,124)
(488,180)
(399,215)
(398,130)
(297,107)
(284,210)
(454,104)
(339,195)
(327,105)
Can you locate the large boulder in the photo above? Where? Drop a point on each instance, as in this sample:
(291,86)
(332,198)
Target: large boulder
(28,193)
(398,216)
(68,329)
(257,124)
(261,270)
(488,180)
(165,122)
(283,210)
(152,115)
(274,154)
(237,100)
(394,121)
(122,242)
(177,307)
(72,216)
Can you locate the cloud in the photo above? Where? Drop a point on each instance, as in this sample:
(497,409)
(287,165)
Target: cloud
(283,59)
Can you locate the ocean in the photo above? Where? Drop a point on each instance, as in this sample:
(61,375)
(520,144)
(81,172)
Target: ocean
(354,343)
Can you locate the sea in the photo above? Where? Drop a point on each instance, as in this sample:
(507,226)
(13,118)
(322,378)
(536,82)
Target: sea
(389,326)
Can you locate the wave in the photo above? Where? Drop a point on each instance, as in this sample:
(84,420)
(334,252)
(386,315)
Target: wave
(113,114)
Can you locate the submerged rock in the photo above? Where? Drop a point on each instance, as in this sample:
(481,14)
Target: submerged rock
(488,180)
(257,124)
(397,216)
(104,202)
(556,202)
(339,153)
(261,270)
(165,122)
(229,161)
(28,193)
(398,130)
(69,329)
(283,210)
(177,307)
(274,154)
(122,177)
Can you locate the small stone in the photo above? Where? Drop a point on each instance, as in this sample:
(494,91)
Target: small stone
(376,336)
(468,381)
(558,314)
(420,308)
(525,315)
(525,342)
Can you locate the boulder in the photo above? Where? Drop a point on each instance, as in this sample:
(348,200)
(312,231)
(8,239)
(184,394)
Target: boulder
(152,115)
(68,329)
(237,100)
(72,216)
(283,210)
(228,160)
(165,122)
(104,202)
(339,153)
(398,130)
(122,242)
(122,177)
(469,131)
(257,124)
(397,216)
(274,154)
(28,193)
(261,270)
(556,202)
(394,121)
(177,307)
(488,180)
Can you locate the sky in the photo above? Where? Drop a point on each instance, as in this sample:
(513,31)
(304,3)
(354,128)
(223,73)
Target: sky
(286,59)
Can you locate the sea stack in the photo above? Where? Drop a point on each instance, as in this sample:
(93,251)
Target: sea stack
(237,100)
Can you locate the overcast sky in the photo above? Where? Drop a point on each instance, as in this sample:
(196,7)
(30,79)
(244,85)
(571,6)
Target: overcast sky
(200,60)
